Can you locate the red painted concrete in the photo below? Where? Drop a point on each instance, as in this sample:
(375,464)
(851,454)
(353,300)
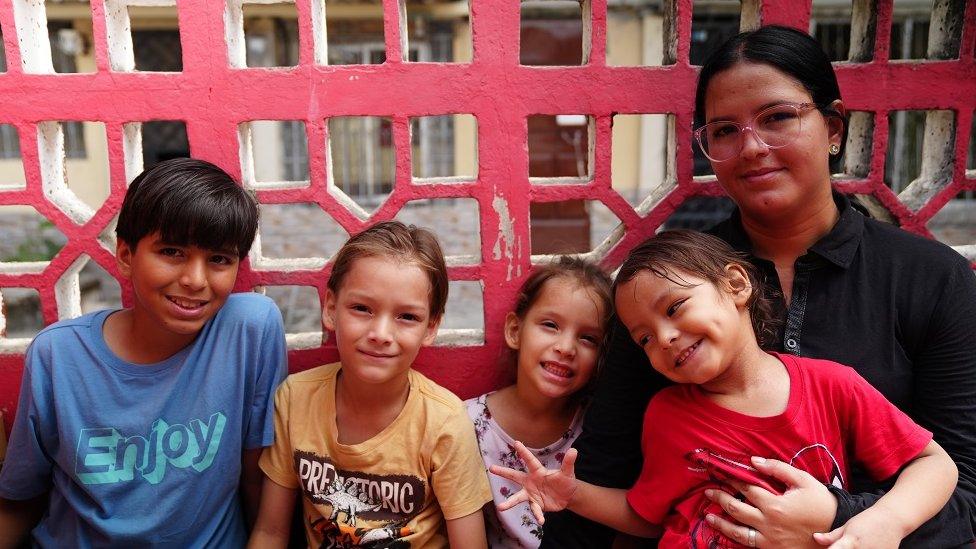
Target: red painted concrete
(213,99)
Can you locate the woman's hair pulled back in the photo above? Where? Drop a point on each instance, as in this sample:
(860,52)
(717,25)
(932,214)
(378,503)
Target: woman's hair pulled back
(789,50)
(671,253)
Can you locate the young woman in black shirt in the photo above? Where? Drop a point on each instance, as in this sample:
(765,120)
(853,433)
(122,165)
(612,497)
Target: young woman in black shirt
(898,308)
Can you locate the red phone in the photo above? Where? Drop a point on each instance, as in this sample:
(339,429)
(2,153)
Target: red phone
(723,469)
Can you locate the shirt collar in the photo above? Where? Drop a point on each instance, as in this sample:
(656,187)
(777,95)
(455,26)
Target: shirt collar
(837,246)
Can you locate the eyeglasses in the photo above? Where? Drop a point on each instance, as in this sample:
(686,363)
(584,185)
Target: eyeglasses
(775,127)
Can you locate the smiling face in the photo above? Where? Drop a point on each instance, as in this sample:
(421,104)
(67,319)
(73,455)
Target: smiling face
(558,340)
(691,330)
(177,288)
(381,319)
(772,183)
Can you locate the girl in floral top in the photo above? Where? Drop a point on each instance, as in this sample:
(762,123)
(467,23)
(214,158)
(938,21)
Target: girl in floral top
(556,330)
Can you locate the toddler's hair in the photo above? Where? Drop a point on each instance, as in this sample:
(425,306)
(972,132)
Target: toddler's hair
(189,202)
(398,241)
(583,272)
(670,253)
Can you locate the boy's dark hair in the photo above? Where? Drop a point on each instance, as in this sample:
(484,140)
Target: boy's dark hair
(584,273)
(788,50)
(189,202)
(671,253)
(396,240)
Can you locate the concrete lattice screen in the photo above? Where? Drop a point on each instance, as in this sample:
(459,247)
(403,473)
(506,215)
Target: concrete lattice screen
(217,96)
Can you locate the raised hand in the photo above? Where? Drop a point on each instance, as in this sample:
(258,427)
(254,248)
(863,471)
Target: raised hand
(544,489)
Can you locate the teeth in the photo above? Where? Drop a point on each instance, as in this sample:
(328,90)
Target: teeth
(684,355)
(186,304)
(560,371)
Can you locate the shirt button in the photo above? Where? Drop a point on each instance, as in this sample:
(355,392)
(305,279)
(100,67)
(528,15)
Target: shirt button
(791,343)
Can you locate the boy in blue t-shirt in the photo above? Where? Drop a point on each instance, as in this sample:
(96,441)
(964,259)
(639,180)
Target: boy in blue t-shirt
(136,427)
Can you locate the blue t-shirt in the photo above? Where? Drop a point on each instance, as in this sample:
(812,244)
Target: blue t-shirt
(145,455)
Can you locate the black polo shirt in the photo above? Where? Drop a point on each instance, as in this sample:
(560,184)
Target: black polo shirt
(899,308)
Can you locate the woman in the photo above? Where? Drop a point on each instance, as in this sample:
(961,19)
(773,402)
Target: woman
(896,307)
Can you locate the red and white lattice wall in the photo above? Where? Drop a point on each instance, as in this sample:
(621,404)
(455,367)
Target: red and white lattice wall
(216,95)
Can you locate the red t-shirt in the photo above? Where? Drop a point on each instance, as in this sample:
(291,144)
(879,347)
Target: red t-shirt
(833,418)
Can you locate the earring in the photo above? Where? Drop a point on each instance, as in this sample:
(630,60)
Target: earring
(834,148)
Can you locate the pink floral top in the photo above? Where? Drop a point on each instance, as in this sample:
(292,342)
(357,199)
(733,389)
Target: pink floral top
(515,527)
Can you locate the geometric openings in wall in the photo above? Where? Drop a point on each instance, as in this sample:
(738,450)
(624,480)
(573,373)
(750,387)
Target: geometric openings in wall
(955,223)
(553,32)
(156,37)
(572,227)
(830,24)
(98,289)
(560,148)
(464,314)
(20,317)
(438,32)
(699,213)
(11,162)
(712,22)
(854,162)
(163,140)
(971,150)
(274,154)
(454,220)
(69,33)
(642,169)
(444,148)
(361,161)
(144,37)
(29,240)
(920,154)
(926,29)
(74,166)
(296,236)
(3,55)
(635,37)
(355,32)
(270,34)
(302,313)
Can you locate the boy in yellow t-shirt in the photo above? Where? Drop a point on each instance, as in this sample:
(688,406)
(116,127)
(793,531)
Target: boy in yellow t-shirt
(383,456)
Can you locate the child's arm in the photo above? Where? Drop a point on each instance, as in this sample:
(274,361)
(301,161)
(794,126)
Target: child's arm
(468,531)
(273,526)
(17,518)
(921,490)
(551,490)
(251,481)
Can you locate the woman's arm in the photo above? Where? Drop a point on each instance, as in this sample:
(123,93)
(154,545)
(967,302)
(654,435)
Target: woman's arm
(273,526)
(921,490)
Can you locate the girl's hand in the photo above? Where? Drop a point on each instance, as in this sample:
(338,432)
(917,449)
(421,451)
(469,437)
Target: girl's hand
(544,489)
(788,520)
(866,530)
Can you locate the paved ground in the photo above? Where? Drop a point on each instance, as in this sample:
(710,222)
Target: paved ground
(289,231)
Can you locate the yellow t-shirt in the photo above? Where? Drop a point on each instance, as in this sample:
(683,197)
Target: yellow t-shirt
(393,490)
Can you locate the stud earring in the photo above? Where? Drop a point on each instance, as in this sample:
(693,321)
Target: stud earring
(834,148)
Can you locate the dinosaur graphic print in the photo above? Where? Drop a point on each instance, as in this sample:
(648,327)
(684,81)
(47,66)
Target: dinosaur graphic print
(358,509)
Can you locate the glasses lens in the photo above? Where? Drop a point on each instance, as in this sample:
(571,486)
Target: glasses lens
(778,126)
(720,140)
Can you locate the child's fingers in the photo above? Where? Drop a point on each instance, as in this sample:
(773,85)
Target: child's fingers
(531,463)
(829,538)
(540,517)
(513,500)
(568,466)
(517,477)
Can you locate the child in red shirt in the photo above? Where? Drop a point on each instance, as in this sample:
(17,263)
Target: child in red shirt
(696,308)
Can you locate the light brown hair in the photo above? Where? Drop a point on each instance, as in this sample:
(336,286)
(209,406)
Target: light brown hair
(395,240)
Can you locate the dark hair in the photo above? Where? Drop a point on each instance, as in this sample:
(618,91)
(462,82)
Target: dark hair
(189,202)
(789,50)
(670,253)
(584,273)
(396,240)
